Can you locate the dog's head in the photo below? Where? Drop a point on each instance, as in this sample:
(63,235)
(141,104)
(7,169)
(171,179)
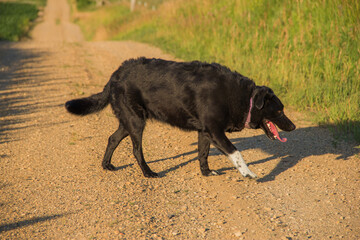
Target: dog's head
(268,110)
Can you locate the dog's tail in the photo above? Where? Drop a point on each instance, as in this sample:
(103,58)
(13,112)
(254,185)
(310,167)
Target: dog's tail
(92,104)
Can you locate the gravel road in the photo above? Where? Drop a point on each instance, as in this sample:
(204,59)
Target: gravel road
(52,185)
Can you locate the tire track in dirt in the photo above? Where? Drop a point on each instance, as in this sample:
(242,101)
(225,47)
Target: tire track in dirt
(52,185)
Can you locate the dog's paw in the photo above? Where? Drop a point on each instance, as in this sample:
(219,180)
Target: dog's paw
(151,175)
(109,167)
(252,175)
(247,173)
(214,173)
(210,173)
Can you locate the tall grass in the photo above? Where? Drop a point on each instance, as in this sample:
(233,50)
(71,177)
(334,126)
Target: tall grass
(105,21)
(85,4)
(38,3)
(307,51)
(15,19)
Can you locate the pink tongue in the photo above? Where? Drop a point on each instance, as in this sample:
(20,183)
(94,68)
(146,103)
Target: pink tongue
(273,129)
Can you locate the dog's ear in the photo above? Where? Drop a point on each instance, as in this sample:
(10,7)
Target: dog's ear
(261,93)
(259,97)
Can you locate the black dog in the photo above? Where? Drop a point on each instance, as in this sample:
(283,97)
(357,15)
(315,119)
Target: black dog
(208,98)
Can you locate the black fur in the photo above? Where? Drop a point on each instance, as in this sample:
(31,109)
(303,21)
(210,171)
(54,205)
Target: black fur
(196,96)
(92,104)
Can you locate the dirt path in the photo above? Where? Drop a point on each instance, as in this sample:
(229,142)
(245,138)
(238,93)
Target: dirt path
(52,185)
(56,25)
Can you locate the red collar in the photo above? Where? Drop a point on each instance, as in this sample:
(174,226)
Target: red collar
(248,119)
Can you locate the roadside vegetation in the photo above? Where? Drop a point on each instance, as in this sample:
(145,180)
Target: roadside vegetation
(307,51)
(16,18)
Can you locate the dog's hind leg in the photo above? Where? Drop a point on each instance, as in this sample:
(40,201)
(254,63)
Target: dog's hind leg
(203,147)
(113,142)
(136,129)
(138,153)
(223,144)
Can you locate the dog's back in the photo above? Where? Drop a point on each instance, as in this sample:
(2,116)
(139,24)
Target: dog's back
(181,94)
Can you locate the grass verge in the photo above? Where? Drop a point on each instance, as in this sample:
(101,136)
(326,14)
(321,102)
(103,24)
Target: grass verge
(307,51)
(16,18)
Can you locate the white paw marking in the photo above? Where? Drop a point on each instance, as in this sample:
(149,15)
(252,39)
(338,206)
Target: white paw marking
(240,164)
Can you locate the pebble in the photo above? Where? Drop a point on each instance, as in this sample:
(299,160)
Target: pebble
(202,230)
(170,216)
(268,209)
(184,208)
(238,234)
(175,233)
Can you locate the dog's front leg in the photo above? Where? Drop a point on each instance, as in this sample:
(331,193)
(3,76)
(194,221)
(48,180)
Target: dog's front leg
(240,164)
(223,144)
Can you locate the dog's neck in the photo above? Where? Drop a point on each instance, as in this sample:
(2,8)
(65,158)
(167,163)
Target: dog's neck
(248,119)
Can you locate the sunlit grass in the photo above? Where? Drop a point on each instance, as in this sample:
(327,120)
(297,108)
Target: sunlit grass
(15,19)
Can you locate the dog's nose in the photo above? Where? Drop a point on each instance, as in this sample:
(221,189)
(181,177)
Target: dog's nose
(292,127)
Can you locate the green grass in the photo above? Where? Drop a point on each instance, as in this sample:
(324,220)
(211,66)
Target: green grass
(307,51)
(90,5)
(15,19)
(39,3)
(83,5)
(106,18)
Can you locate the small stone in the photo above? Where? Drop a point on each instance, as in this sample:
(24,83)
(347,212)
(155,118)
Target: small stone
(184,208)
(268,209)
(170,216)
(238,234)
(202,230)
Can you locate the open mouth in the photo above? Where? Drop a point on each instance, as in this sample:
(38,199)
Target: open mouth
(271,131)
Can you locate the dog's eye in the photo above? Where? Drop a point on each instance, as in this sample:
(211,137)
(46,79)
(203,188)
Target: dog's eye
(280,112)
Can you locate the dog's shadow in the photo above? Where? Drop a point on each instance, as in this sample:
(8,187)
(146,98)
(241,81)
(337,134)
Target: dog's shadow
(302,143)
